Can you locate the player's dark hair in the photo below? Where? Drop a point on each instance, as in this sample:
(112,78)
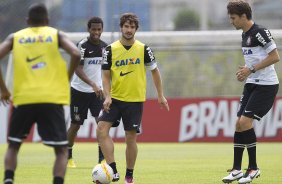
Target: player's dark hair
(37,14)
(131,17)
(239,7)
(94,20)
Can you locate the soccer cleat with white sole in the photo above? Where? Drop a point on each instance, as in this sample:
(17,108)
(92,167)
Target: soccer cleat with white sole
(128,180)
(233,175)
(71,163)
(249,176)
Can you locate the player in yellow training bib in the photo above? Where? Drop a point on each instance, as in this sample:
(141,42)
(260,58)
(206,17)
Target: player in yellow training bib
(124,82)
(40,88)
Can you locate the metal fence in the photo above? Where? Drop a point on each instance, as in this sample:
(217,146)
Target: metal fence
(192,63)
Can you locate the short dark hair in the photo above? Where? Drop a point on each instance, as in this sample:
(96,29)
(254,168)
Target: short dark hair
(37,14)
(94,20)
(239,7)
(131,17)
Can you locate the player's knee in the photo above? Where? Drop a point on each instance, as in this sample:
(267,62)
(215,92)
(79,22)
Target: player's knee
(102,130)
(74,126)
(61,151)
(243,125)
(130,137)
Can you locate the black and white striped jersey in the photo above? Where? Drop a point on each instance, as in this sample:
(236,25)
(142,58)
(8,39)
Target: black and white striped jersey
(257,42)
(91,59)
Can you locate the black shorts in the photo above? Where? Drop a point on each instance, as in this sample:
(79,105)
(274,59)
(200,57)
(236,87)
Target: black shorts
(257,100)
(129,112)
(50,120)
(81,102)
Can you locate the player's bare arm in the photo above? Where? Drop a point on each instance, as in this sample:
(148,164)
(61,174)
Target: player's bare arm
(106,79)
(272,58)
(66,44)
(243,71)
(5,47)
(4,92)
(159,87)
(81,74)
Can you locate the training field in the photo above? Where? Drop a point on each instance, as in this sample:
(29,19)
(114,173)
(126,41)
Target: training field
(157,163)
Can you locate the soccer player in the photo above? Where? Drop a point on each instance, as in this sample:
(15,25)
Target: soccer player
(86,85)
(40,88)
(124,82)
(261,86)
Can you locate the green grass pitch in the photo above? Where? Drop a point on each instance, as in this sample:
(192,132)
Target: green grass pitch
(157,163)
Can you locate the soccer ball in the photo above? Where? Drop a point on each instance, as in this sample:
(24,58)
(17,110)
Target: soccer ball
(102,174)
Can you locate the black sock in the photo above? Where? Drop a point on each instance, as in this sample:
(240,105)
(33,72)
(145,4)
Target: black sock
(239,147)
(9,177)
(129,172)
(58,180)
(70,152)
(114,167)
(100,153)
(251,142)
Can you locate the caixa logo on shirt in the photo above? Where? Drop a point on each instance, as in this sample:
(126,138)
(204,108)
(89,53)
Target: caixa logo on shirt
(95,61)
(247,51)
(129,61)
(36,39)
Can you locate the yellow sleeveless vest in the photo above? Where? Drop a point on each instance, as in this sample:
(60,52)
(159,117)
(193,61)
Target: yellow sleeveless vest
(40,72)
(128,72)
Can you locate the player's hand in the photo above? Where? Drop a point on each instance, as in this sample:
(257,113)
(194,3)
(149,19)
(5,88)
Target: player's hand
(5,96)
(163,102)
(107,103)
(98,91)
(242,73)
